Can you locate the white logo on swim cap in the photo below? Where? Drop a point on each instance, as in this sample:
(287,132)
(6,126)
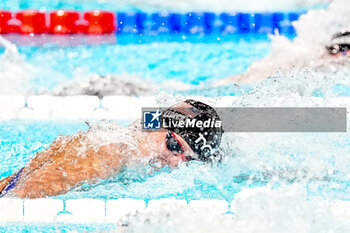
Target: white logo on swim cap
(205,145)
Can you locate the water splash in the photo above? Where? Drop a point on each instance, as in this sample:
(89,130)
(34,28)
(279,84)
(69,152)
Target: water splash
(275,180)
(315,30)
(14,71)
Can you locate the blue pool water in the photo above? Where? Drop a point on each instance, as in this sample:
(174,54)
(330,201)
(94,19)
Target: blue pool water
(134,6)
(191,60)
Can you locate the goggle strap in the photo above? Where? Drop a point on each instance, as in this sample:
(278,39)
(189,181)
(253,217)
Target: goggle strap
(181,154)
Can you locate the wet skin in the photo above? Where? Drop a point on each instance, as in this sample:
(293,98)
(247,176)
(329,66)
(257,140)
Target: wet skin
(58,169)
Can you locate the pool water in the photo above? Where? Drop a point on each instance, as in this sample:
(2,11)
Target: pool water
(192,60)
(152,6)
(311,166)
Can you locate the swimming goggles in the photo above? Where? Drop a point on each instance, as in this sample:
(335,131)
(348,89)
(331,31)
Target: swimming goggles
(174,145)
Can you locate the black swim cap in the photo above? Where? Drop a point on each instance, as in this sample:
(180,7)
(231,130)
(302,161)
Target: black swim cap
(201,127)
(340,43)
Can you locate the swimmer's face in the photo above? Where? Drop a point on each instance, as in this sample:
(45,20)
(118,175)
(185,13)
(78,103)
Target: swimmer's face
(174,149)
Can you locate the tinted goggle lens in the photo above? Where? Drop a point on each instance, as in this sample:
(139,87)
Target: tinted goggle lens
(173,144)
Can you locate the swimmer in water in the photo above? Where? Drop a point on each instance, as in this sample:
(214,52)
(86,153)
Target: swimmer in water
(71,161)
(302,55)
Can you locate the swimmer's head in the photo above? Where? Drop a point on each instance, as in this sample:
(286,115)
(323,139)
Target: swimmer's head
(340,44)
(198,125)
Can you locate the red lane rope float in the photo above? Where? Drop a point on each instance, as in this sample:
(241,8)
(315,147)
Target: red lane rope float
(57,22)
(32,21)
(100,22)
(5,16)
(63,22)
(93,22)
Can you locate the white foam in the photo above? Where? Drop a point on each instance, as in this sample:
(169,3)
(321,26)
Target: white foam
(14,71)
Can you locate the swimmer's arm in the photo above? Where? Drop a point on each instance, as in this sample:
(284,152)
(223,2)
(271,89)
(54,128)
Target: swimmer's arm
(41,158)
(5,181)
(48,155)
(62,167)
